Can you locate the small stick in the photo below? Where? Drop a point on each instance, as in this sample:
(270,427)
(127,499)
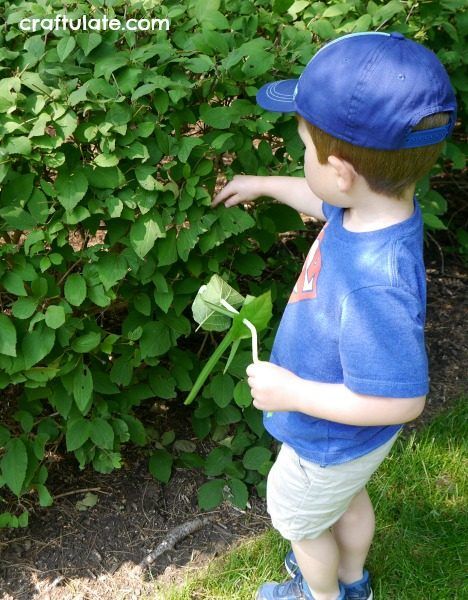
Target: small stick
(253,331)
(226,304)
(71,492)
(174,536)
(248,324)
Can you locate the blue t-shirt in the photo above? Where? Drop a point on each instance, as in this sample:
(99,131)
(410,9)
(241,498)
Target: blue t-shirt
(355,316)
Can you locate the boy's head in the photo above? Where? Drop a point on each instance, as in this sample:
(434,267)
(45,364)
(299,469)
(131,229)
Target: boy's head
(380,101)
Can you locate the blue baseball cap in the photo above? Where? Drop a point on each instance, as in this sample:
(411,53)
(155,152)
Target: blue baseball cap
(369,89)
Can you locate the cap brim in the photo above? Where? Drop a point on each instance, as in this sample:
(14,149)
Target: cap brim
(278,96)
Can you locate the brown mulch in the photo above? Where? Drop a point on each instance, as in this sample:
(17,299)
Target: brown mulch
(69,554)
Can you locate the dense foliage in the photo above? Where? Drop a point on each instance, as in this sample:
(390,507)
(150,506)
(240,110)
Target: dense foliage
(111,146)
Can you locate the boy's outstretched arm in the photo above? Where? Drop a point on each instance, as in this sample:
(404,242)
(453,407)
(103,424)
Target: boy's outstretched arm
(277,389)
(293,191)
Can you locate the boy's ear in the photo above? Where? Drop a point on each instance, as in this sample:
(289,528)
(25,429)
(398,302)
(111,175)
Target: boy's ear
(345,173)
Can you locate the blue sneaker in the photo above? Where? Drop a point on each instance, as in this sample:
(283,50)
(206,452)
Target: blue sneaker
(295,589)
(359,590)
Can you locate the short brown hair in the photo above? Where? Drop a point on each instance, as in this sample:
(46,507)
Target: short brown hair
(387,172)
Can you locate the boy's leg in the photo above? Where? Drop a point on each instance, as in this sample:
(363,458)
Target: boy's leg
(353,533)
(318,560)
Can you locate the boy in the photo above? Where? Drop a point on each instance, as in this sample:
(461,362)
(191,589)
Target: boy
(348,365)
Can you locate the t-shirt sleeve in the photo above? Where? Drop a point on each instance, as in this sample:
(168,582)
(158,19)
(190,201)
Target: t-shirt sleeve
(381,343)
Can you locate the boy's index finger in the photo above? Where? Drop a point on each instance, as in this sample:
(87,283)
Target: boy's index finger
(223,195)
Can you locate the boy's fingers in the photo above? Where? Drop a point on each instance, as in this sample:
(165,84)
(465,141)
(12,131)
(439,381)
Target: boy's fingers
(234,199)
(250,370)
(223,195)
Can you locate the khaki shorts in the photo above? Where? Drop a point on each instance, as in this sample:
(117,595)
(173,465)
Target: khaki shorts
(304,499)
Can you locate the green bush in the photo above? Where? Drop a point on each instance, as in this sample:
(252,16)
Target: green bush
(111,146)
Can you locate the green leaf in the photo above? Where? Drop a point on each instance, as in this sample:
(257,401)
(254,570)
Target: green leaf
(65,47)
(75,289)
(88,41)
(160,465)
(71,188)
(45,499)
(186,145)
(250,264)
(14,284)
(323,28)
(228,415)
(163,386)
(217,461)
(14,465)
(222,389)
(106,461)
(242,395)
(4,435)
(136,429)
(7,336)
(145,178)
(254,419)
(112,268)
(55,316)
(78,432)
(199,64)
(155,339)
(335,10)
(257,310)
(83,387)
(144,232)
(232,354)
(387,11)
(202,10)
(207,309)
(17,218)
(23,519)
(210,495)
(284,218)
(37,344)
(107,65)
(258,63)
(186,240)
(216,116)
(88,501)
(18,145)
(255,458)
(102,434)
(106,160)
(164,299)
(86,342)
(239,493)
(167,249)
(433,221)
(104,178)
(97,295)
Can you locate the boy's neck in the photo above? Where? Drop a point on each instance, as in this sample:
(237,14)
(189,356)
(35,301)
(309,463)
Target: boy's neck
(373,211)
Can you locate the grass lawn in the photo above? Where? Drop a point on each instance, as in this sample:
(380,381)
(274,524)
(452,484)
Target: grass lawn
(420,546)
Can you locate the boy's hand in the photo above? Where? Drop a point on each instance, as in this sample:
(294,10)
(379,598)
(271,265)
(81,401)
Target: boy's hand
(242,188)
(273,388)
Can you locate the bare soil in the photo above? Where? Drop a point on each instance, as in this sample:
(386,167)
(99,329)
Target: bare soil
(69,554)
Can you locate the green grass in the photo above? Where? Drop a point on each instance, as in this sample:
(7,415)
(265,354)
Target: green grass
(419,550)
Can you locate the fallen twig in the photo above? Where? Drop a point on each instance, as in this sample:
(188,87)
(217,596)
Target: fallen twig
(174,536)
(71,492)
